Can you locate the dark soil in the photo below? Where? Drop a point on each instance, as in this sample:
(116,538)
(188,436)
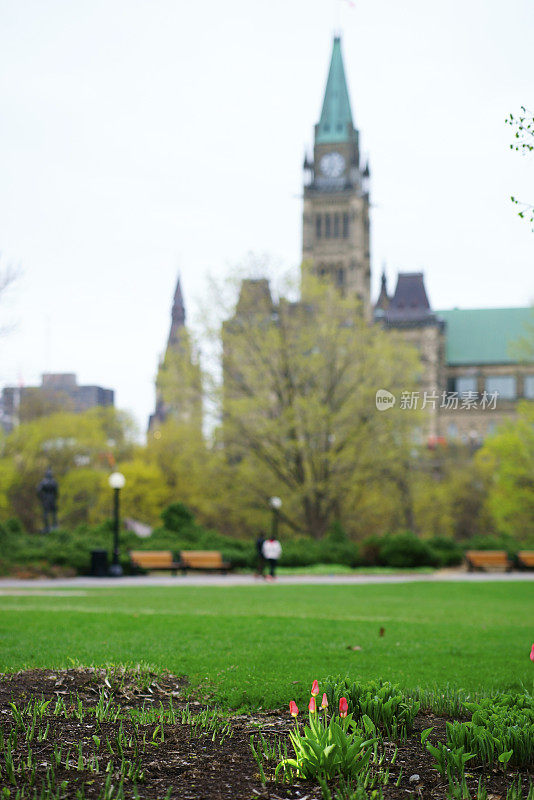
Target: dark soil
(191,761)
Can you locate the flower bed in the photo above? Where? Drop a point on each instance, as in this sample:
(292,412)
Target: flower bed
(110,734)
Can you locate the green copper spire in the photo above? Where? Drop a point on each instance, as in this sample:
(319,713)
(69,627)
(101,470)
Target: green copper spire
(336,114)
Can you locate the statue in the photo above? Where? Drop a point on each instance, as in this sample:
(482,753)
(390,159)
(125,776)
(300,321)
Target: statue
(47,492)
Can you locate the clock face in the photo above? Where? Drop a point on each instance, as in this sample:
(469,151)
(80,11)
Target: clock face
(332,165)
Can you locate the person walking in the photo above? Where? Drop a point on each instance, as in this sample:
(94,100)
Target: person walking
(261,560)
(272,550)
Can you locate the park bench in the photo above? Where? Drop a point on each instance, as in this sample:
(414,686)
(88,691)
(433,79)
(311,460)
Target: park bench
(525,558)
(482,559)
(203,560)
(153,559)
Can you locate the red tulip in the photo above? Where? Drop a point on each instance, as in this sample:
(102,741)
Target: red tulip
(324,703)
(532,653)
(343,707)
(315,688)
(293,710)
(312,708)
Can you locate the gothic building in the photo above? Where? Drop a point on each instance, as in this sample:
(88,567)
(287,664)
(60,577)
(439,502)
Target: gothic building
(471,379)
(471,376)
(178,382)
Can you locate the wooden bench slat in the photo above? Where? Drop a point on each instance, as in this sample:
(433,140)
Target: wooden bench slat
(526,558)
(487,558)
(153,559)
(189,559)
(203,559)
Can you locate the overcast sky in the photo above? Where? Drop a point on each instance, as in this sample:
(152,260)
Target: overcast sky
(139,139)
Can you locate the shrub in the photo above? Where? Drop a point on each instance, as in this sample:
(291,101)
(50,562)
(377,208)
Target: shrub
(407,550)
(337,533)
(304,552)
(13,527)
(70,549)
(299,553)
(449,553)
(176,517)
(370,551)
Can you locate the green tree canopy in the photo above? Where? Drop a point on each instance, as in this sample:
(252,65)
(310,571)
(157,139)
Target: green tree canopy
(299,415)
(81,449)
(508,456)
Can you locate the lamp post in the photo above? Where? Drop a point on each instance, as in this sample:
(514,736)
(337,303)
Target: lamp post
(116,481)
(276,505)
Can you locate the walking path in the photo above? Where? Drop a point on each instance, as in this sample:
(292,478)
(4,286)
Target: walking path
(13,586)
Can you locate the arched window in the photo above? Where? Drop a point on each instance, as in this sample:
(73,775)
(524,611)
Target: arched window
(327,231)
(318,226)
(345,226)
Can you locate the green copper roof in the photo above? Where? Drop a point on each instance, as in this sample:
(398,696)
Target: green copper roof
(484,335)
(336,114)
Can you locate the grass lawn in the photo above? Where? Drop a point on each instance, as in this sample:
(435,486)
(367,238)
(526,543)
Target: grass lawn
(262,645)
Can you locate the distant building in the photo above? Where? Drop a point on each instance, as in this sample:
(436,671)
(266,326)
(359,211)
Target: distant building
(472,373)
(178,382)
(57,392)
(471,377)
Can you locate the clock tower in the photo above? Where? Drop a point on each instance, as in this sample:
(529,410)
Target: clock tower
(335,230)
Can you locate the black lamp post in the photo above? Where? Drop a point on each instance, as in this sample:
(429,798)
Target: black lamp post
(276,505)
(116,481)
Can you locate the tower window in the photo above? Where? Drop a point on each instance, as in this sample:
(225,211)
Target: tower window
(336,226)
(345,226)
(327,231)
(318,226)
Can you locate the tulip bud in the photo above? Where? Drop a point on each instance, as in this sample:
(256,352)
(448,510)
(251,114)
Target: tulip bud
(315,689)
(324,703)
(293,710)
(343,707)
(312,708)
(532,653)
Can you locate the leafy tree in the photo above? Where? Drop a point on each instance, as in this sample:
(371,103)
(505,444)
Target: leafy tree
(145,493)
(508,456)
(84,497)
(89,444)
(179,451)
(451,494)
(179,383)
(299,411)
